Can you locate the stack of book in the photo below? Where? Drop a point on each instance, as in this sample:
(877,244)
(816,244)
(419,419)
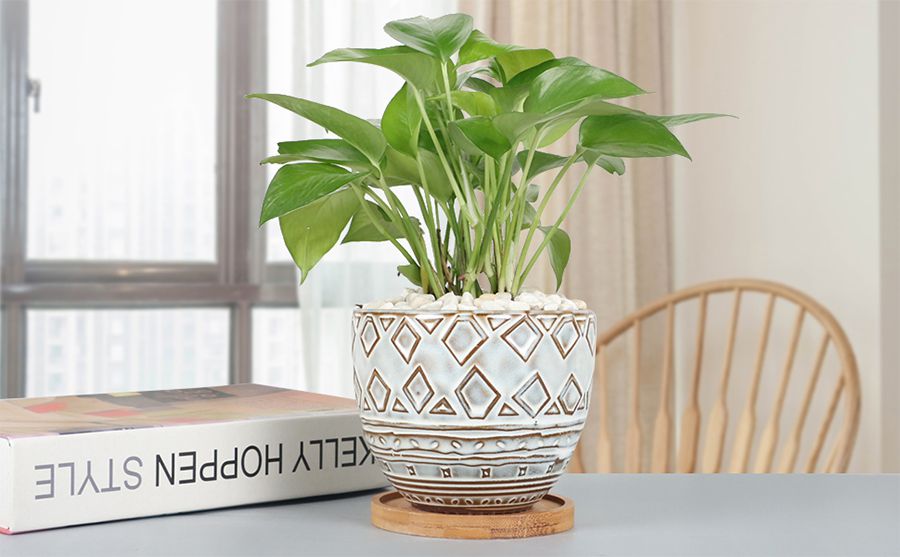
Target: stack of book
(91,458)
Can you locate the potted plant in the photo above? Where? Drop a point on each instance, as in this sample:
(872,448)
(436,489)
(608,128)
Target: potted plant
(472,389)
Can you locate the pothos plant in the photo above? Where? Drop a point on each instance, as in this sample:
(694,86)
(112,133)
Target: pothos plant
(466,133)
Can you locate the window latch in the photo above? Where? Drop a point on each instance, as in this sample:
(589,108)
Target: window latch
(33,90)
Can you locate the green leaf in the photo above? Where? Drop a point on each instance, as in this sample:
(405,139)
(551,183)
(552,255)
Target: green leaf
(311,231)
(515,124)
(297,185)
(555,129)
(364,229)
(412,273)
(532,192)
(512,59)
(335,151)
(402,169)
(541,162)
(478,84)
(564,85)
(516,61)
(511,94)
(613,165)
(560,247)
(629,135)
(421,70)
(440,37)
(528,216)
(474,103)
(679,119)
(480,47)
(401,122)
(463,77)
(480,131)
(356,131)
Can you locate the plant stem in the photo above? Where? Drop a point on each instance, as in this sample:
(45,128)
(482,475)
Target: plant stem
(540,211)
(427,215)
(357,189)
(554,228)
(415,239)
(470,209)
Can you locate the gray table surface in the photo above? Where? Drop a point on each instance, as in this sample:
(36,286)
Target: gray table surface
(614,515)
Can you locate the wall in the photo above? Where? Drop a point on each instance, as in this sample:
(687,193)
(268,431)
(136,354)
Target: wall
(790,191)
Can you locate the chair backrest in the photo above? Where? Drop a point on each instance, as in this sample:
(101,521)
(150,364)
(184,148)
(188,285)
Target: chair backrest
(687,456)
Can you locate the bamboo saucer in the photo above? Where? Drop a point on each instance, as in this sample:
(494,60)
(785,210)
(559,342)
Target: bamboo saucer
(551,515)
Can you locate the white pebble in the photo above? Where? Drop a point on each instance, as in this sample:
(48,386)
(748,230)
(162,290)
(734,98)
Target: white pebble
(419,300)
(528,299)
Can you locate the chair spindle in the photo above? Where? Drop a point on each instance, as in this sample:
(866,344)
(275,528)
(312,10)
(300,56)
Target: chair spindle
(633,436)
(690,424)
(740,454)
(662,427)
(826,425)
(718,416)
(792,445)
(769,439)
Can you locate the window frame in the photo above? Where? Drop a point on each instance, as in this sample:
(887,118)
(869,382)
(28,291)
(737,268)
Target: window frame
(240,278)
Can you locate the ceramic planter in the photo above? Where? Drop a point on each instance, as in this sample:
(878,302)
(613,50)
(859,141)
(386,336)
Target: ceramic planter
(473,411)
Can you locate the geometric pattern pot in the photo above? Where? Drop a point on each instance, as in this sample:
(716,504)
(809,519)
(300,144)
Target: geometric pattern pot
(473,411)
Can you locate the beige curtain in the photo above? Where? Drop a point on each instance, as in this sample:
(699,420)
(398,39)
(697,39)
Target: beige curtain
(620,226)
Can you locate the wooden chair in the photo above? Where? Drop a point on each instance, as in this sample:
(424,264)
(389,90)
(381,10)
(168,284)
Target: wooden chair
(662,449)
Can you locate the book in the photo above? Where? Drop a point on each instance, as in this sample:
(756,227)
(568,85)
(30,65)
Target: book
(92,458)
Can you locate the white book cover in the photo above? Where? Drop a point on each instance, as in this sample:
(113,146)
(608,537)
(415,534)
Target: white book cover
(92,458)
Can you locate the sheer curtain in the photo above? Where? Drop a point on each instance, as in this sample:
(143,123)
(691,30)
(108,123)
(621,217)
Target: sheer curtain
(352,273)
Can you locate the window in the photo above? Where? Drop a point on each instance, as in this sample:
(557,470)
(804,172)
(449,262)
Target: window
(130,253)
(129,250)
(121,154)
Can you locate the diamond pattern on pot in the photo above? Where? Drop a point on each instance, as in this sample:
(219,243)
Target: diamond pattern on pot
(477,395)
(357,390)
(591,335)
(418,390)
(523,338)
(570,395)
(378,391)
(406,340)
(533,395)
(565,336)
(369,336)
(464,338)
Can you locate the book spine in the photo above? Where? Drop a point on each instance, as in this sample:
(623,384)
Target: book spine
(6,485)
(94,477)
